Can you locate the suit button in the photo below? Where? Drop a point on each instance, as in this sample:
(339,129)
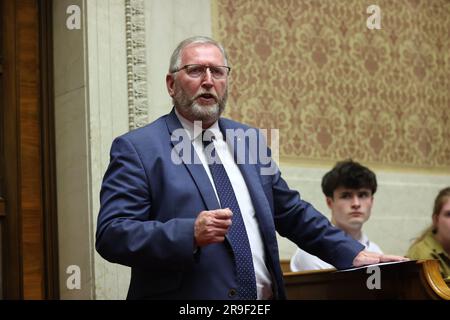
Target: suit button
(232,293)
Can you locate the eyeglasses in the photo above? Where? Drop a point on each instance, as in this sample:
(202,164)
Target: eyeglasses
(199,70)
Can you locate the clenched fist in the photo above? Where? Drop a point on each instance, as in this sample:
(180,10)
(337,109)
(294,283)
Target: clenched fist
(212,226)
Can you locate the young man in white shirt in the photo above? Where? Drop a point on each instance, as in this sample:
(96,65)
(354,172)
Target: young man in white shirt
(349,188)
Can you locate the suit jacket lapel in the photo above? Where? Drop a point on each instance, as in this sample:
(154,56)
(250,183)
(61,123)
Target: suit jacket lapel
(249,172)
(251,176)
(195,168)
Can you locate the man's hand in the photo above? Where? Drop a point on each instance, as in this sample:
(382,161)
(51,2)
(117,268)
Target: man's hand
(367,257)
(212,226)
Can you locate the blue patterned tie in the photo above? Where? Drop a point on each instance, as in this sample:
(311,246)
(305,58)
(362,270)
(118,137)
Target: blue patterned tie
(237,233)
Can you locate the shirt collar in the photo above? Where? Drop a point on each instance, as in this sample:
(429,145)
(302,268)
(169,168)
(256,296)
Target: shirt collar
(364,240)
(194,129)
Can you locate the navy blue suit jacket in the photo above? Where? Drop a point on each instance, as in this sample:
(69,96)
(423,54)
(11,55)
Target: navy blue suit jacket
(149,205)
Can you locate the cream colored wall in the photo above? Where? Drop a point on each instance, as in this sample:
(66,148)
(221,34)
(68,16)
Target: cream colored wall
(402,206)
(75,237)
(107,77)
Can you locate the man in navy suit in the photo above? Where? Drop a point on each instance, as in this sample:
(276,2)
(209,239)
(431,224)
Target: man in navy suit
(160,204)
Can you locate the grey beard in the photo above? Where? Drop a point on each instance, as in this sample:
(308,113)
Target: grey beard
(209,114)
(205,113)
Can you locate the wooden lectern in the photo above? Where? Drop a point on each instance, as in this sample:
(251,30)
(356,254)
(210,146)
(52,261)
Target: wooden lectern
(402,280)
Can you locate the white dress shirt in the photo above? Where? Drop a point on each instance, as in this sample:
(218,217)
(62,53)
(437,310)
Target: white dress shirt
(303,261)
(263,279)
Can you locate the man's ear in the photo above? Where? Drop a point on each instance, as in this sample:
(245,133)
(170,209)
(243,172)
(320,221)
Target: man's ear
(170,83)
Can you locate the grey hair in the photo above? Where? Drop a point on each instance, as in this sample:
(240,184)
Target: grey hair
(175,59)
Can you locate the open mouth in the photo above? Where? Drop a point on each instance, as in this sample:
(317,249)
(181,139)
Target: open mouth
(207,98)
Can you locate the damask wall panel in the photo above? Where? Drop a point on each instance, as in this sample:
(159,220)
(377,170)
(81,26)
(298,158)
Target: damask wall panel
(336,89)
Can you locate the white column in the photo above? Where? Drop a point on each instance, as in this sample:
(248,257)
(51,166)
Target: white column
(72,153)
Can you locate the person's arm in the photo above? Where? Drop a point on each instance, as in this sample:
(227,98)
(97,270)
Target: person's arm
(309,229)
(303,261)
(312,231)
(126,232)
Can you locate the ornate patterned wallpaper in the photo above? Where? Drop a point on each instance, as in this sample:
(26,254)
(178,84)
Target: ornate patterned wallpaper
(336,89)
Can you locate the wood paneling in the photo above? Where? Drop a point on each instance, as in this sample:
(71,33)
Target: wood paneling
(48,152)
(30,146)
(285,265)
(12,271)
(30,211)
(2,207)
(408,280)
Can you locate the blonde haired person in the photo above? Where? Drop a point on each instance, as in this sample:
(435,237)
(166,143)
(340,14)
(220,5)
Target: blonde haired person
(434,243)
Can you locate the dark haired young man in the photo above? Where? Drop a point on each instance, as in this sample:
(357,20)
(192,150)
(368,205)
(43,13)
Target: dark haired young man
(349,188)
